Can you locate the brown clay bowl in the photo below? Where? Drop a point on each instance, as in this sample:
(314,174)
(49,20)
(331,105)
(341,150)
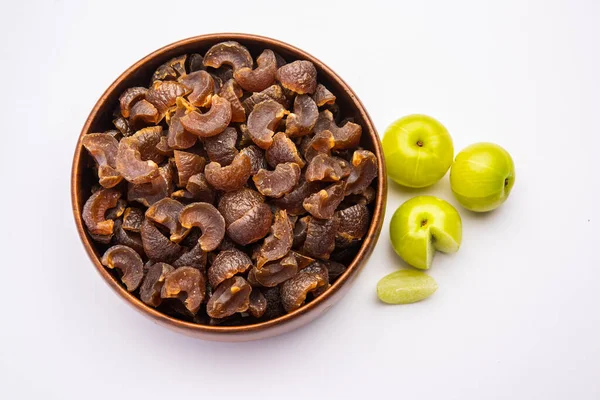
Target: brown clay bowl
(139,75)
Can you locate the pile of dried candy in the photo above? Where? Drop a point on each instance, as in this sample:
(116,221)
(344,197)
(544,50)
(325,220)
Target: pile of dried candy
(229,192)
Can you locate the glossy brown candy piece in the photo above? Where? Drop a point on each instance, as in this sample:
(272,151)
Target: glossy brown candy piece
(258,303)
(129,97)
(206,217)
(323,204)
(153,283)
(302,260)
(103,148)
(166,213)
(231,177)
(157,246)
(300,229)
(199,189)
(275,272)
(346,137)
(133,156)
(221,148)
(229,53)
(321,143)
(278,182)
(325,168)
(170,70)
(178,137)
(212,122)
(252,226)
(323,96)
(295,289)
(127,238)
(274,307)
(95,208)
(128,262)
(122,125)
(195,62)
(227,264)
(279,242)
(163,95)
(153,191)
(232,92)
(230,297)
(302,121)
(364,170)
(116,211)
(292,202)
(132,219)
(201,86)
(262,76)
(262,121)
(321,271)
(194,257)
(233,205)
(187,284)
(365,197)
(143,113)
(187,164)
(320,237)
(353,224)
(299,76)
(257,158)
(283,150)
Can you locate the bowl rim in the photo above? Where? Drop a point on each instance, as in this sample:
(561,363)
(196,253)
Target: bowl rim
(351,271)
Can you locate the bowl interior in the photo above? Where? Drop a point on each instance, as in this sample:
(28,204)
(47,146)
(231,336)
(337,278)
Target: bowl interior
(139,74)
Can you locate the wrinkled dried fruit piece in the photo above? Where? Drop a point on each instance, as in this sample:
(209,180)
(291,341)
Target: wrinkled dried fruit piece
(166,213)
(232,92)
(231,177)
(156,245)
(262,121)
(163,95)
(195,62)
(283,150)
(95,208)
(292,202)
(257,158)
(186,284)
(194,257)
(201,86)
(324,203)
(227,264)
(278,182)
(151,192)
(323,96)
(302,260)
(258,304)
(230,297)
(299,76)
(279,242)
(276,272)
(252,226)
(116,211)
(134,153)
(229,53)
(128,262)
(346,136)
(302,121)
(132,219)
(276,92)
(221,148)
(274,306)
(206,217)
(300,229)
(324,168)
(320,238)
(153,283)
(199,189)
(178,137)
(365,197)
(320,270)
(122,125)
(353,224)
(295,289)
(187,164)
(103,148)
(321,143)
(364,170)
(233,205)
(127,238)
(130,97)
(212,122)
(170,70)
(143,113)
(260,78)
(163,147)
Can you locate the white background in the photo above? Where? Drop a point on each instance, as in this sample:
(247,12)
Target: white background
(517,312)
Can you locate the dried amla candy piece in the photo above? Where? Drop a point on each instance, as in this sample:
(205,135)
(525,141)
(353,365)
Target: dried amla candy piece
(129,97)
(229,53)
(364,170)
(258,303)
(353,224)
(324,203)
(157,246)
(232,92)
(221,148)
(117,210)
(122,125)
(302,121)
(321,143)
(320,238)
(177,136)
(153,283)
(405,287)
(187,164)
(325,168)
(212,122)
(252,226)
(346,136)
(103,148)
(137,156)
(186,284)
(227,264)
(279,242)
(230,297)
(262,76)
(158,188)
(299,76)
(257,158)
(206,217)
(283,150)
(170,70)
(200,189)
(275,272)
(201,85)
(233,205)
(323,96)
(231,177)
(143,113)
(262,122)
(127,238)
(278,182)
(128,262)
(163,95)
(94,211)
(292,202)
(295,289)
(194,257)
(300,229)
(166,213)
